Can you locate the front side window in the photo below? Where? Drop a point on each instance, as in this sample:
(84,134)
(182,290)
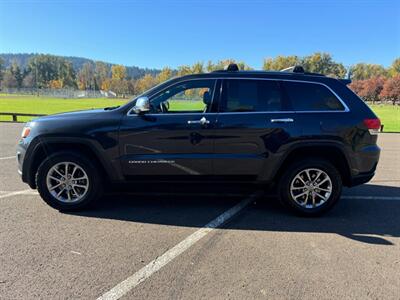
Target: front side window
(312,97)
(187,97)
(250,95)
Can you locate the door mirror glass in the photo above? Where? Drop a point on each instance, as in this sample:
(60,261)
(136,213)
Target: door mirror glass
(142,105)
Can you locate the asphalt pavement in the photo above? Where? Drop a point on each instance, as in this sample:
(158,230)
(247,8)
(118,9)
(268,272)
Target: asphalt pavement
(219,244)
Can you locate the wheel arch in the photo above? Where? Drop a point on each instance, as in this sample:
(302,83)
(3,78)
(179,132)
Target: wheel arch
(332,152)
(46,147)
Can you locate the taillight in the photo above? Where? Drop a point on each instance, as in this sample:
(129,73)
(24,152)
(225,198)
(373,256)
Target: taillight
(373,125)
(25,132)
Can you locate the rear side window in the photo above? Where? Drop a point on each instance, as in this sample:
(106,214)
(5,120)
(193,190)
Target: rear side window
(248,95)
(311,97)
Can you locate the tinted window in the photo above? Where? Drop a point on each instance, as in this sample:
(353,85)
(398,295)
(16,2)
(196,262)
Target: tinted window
(189,96)
(250,95)
(311,97)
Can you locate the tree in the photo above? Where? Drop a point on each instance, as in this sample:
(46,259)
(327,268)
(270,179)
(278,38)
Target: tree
(101,73)
(46,68)
(86,77)
(119,86)
(391,89)
(1,68)
(323,63)
(118,72)
(164,75)
(357,87)
(9,80)
(144,83)
(363,71)
(198,68)
(280,62)
(184,70)
(395,68)
(16,72)
(66,73)
(131,87)
(56,84)
(221,64)
(372,88)
(29,80)
(106,84)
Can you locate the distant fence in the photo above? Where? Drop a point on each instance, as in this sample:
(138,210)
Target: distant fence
(15,115)
(57,93)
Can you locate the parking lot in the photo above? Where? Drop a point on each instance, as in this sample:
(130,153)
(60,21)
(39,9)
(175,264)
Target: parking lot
(174,246)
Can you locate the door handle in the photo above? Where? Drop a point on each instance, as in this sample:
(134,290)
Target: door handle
(284,120)
(202,121)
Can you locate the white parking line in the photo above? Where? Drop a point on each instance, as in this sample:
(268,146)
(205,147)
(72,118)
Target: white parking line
(128,284)
(7,157)
(23,192)
(393,198)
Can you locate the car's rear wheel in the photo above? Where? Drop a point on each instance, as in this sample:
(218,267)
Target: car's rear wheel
(68,181)
(310,187)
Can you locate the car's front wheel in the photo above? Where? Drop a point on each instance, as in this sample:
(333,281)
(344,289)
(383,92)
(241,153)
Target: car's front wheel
(68,181)
(310,187)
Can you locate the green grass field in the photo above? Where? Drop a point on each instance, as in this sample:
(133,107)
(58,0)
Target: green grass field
(389,115)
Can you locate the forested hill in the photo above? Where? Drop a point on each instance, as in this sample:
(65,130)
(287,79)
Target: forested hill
(22,59)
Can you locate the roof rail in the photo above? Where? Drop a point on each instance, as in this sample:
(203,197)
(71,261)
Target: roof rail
(300,70)
(294,69)
(232,67)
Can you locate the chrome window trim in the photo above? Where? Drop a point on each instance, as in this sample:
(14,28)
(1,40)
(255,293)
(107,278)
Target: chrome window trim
(346,108)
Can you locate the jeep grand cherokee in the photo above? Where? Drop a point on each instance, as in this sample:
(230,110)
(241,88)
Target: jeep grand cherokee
(304,133)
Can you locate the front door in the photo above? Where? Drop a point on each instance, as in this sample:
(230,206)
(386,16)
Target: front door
(175,138)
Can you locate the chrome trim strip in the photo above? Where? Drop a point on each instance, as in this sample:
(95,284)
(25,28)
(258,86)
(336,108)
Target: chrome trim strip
(346,108)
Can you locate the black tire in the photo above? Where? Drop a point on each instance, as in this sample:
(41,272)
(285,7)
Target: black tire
(294,169)
(94,190)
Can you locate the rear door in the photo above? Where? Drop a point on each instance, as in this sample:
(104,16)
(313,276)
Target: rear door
(254,126)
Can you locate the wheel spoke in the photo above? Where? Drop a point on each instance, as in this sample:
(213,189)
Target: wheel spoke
(73,171)
(313,199)
(299,195)
(308,175)
(316,177)
(323,197)
(298,188)
(55,186)
(80,178)
(326,179)
(75,192)
(58,172)
(301,179)
(55,178)
(60,192)
(80,186)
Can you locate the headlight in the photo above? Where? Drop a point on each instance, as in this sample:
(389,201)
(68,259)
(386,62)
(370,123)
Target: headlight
(25,132)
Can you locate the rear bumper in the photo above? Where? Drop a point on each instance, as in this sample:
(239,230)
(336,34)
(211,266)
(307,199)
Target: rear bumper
(364,165)
(361,178)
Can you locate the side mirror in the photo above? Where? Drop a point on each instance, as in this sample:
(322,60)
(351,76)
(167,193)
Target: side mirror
(142,105)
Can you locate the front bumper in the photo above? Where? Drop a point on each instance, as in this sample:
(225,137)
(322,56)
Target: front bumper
(20,155)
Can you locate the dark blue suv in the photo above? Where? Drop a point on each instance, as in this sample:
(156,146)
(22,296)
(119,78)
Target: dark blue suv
(304,134)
